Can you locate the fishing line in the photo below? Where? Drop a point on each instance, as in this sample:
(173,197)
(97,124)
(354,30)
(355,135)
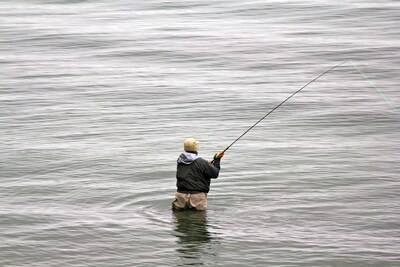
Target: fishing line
(376,88)
(298,91)
(275,108)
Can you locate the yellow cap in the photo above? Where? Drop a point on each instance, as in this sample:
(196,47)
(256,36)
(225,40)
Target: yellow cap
(191,145)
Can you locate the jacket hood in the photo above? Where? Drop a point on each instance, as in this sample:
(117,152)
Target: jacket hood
(187,158)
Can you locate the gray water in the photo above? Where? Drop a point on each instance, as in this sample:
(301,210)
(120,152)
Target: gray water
(97,97)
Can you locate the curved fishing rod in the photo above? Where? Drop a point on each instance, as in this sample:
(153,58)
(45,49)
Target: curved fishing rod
(254,125)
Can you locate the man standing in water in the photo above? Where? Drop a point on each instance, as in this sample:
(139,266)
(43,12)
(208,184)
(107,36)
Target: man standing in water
(194,176)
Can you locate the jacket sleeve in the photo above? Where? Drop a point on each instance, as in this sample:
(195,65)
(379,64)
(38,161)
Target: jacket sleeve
(211,170)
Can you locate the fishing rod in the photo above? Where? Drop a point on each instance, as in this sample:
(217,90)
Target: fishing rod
(275,108)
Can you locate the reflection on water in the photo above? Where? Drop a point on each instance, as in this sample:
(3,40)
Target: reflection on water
(195,244)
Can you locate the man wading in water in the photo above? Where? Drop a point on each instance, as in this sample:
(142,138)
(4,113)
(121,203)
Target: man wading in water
(194,176)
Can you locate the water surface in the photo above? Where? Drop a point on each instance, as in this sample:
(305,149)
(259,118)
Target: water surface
(97,97)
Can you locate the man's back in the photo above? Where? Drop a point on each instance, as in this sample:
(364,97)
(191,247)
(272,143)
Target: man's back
(194,174)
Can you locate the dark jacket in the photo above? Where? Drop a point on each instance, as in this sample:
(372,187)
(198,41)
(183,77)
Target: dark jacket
(194,173)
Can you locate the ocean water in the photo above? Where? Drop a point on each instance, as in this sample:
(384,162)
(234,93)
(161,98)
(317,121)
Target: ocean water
(96,98)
